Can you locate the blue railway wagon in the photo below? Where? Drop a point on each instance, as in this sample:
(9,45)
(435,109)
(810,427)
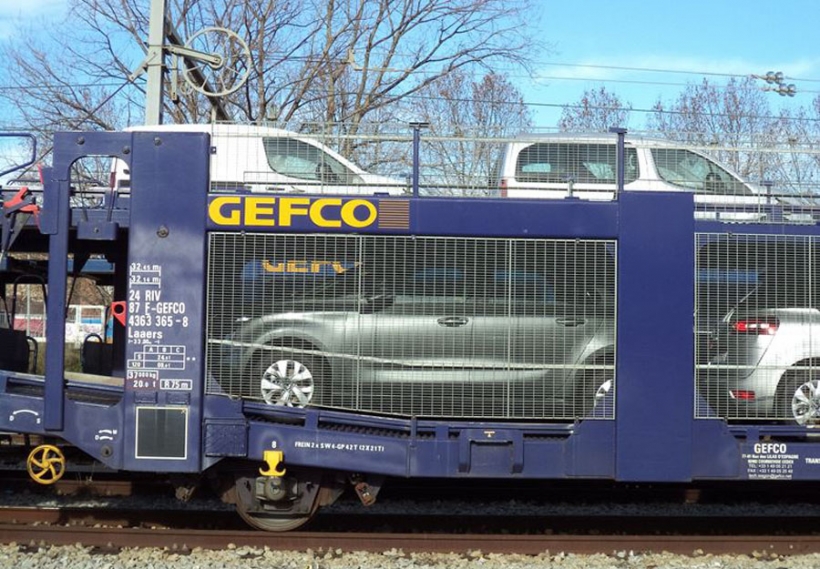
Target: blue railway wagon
(301,343)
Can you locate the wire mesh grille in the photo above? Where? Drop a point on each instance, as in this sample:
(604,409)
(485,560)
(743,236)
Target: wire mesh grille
(763,180)
(758,327)
(423,326)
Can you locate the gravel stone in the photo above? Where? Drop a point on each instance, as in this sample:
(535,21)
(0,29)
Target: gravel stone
(73,556)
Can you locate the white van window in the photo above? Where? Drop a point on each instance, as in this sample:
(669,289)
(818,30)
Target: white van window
(298,159)
(583,163)
(687,169)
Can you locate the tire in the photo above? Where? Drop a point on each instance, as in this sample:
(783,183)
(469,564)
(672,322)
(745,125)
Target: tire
(798,402)
(592,389)
(291,380)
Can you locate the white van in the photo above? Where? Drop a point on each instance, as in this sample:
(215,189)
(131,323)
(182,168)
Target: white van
(556,166)
(249,158)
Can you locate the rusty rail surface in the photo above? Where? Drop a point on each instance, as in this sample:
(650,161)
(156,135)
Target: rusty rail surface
(184,540)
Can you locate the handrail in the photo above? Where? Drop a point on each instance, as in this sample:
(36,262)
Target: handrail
(33,151)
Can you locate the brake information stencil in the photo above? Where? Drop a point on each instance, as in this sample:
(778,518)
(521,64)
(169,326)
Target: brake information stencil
(152,319)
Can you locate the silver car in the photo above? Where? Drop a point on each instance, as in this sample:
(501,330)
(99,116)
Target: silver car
(358,343)
(768,351)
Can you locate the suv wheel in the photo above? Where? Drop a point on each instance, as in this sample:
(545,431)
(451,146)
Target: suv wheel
(799,401)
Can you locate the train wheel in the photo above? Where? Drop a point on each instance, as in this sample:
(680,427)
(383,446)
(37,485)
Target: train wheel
(276,503)
(272,522)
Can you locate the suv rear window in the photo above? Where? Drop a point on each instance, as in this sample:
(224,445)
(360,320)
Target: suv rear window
(547,162)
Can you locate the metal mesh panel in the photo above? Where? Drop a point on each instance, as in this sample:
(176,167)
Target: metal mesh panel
(758,327)
(425,326)
(759,180)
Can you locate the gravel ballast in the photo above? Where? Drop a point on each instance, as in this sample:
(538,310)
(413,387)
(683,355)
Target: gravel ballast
(75,557)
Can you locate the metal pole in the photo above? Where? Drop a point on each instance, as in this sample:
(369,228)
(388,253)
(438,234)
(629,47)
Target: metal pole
(417,126)
(620,156)
(155,63)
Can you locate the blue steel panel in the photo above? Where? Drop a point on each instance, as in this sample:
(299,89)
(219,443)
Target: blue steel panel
(715,451)
(450,450)
(165,294)
(226,438)
(655,363)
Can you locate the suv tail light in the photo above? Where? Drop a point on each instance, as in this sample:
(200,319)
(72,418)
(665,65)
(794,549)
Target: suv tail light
(756,326)
(742,394)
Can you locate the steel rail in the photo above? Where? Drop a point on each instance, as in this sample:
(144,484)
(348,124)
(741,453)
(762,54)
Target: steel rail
(182,540)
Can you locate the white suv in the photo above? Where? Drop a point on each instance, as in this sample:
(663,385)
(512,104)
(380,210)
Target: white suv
(585,166)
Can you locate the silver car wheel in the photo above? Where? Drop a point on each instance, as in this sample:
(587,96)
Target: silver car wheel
(602,391)
(806,402)
(592,389)
(288,382)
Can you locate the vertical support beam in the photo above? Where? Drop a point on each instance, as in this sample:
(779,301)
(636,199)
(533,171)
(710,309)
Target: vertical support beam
(620,156)
(417,126)
(155,63)
(55,224)
(655,346)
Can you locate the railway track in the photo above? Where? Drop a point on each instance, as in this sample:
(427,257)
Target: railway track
(175,530)
(182,540)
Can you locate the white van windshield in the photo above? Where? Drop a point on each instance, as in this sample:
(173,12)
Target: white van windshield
(687,169)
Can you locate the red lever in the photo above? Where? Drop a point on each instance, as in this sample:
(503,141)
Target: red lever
(118,310)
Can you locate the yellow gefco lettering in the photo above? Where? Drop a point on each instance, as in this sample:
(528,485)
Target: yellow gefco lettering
(288,207)
(223,210)
(264,211)
(317,215)
(349,213)
(259,211)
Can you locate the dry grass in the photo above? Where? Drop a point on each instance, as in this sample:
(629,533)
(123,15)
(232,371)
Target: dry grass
(72,358)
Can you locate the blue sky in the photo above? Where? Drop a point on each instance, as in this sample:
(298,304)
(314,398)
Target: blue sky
(589,37)
(15,12)
(689,38)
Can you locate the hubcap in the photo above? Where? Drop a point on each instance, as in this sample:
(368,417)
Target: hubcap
(806,403)
(287,382)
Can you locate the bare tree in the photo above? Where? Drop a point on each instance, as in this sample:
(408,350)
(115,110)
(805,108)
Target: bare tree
(596,111)
(795,168)
(464,116)
(729,118)
(339,61)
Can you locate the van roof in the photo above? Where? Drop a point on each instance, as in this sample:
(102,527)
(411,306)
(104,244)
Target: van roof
(597,138)
(218,128)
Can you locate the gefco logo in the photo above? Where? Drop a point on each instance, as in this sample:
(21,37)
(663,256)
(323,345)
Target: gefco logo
(296,212)
(313,267)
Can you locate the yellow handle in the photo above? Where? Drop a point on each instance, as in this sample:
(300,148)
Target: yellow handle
(273,463)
